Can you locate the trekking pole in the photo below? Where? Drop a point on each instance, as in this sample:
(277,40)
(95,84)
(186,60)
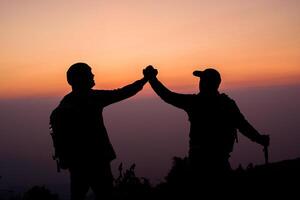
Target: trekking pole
(266,149)
(57,166)
(266,153)
(57,163)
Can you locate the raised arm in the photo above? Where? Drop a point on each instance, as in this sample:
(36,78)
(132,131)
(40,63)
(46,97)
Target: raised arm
(112,96)
(175,99)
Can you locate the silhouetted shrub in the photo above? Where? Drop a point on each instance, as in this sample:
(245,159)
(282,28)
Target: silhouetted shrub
(39,193)
(129,186)
(179,171)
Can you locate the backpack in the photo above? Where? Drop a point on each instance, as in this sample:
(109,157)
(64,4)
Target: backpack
(61,128)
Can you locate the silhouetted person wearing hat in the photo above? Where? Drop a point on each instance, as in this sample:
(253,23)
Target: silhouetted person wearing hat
(89,150)
(214,121)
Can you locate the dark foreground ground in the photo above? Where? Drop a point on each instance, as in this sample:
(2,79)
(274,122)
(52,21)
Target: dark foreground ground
(275,180)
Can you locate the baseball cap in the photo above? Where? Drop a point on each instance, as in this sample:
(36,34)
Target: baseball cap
(209,73)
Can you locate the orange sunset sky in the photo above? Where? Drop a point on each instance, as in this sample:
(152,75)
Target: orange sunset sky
(252,43)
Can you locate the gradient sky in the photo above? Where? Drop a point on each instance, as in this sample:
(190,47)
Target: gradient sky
(254,44)
(251,42)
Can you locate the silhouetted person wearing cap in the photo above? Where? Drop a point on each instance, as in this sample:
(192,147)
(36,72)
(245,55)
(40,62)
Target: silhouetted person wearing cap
(214,121)
(90,151)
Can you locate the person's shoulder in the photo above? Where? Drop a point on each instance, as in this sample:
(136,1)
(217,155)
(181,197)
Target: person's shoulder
(67,98)
(193,96)
(99,95)
(96,92)
(226,98)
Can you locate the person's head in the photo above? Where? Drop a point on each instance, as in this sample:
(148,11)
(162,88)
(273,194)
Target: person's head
(80,76)
(210,80)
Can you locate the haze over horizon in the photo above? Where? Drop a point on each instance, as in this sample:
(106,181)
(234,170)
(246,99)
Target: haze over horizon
(254,44)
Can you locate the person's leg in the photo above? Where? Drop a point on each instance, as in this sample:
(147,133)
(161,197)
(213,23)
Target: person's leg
(79,184)
(101,181)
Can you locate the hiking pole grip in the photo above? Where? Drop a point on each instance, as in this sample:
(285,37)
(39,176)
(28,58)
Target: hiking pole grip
(57,166)
(266,154)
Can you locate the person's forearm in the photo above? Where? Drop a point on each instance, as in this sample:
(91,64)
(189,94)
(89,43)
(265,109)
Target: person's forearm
(159,88)
(173,98)
(143,81)
(249,131)
(126,91)
(133,88)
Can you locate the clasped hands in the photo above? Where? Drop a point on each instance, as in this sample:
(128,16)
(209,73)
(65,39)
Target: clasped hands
(150,72)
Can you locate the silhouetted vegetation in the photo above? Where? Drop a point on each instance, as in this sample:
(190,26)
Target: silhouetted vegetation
(34,193)
(129,186)
(278,179)
(38,193)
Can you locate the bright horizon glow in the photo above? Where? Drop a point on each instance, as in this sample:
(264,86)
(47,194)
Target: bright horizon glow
(252,43)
